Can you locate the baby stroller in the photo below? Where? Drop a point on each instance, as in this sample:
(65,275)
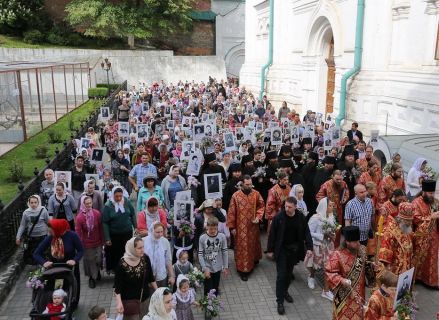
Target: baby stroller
(60,276)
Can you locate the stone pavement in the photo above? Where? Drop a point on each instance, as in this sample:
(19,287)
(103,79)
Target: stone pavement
(254,299)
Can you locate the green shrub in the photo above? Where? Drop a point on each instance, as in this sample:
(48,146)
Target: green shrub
(111,86)
(55,38)
(15,170)
(97,92)
(54,136)
(71,123)
(41,151)
(33,36)
(75,39)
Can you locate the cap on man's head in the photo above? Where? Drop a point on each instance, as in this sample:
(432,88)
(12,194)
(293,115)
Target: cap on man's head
(428,185)
(351,233)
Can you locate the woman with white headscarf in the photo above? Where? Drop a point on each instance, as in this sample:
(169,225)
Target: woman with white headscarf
(322,227)
(297,192)
(160,306)
(132,281)
(34,222)
(414,177)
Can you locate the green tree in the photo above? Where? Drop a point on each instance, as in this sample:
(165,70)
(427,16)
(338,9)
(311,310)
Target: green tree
(17,15)
(142,19)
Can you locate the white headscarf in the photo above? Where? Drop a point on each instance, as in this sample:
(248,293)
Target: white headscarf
(157,310)
(321,211)
(189,295)
(300,203)
(156,251)
(118,206)
(418,164)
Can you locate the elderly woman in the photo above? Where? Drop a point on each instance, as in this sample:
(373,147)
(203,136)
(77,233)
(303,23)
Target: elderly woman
(297,192)
(161,307)
(34,223)
(64,246)
(158,249)
(149,189)
(62,205)
(95,195)
(147,217)
(322,227)
(47,187)
(88,226)
(172,184)
(119,221)
(132,281)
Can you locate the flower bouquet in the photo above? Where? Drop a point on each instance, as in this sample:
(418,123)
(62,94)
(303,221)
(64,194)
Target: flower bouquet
(196,278)
(34,279)
(406,308)
(330,228)
(188,228)
(428,173)
(211,305)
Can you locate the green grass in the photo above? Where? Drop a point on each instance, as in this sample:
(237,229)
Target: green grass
(25,154)
(7,41)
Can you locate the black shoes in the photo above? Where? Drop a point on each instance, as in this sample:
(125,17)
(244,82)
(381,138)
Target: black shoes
(244,277)
(288,298)
(91,283)
(280,308)
(98,278)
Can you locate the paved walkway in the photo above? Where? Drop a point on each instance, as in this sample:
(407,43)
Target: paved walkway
(254,299)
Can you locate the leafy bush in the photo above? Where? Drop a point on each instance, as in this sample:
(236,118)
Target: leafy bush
(111,86)
(57,39)
(97,92)
(33,36)
(71,124)
(75,39)
(54,136)
(41,151)
(16,171)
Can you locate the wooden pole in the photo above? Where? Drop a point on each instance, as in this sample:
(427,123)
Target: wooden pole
(20,98)
(39,99)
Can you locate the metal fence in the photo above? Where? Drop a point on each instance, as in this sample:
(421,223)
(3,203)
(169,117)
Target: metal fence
(10,215)
(34,96)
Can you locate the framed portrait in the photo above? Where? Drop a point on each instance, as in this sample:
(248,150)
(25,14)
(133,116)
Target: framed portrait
(170,124)
(183,211)
(374,134)
(199,132)
(123,129)
(194,165)
(105,113)
(240,133)
(133,129)
(94,177)
(142,131)
(176,114)
(276,136)
(145,107)
(187,122)
(285,122)
(188,149)
(213,186)
(327,140)
(272,124)
(319,118)
(229,142)
(159,128)
(183,195)
(295,134)
(85,143)
(209,129)
(259,126)
(204,117)
(97,155)
(64,177)
(404,285)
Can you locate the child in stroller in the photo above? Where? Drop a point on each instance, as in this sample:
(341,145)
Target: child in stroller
(58,280)
(57,305)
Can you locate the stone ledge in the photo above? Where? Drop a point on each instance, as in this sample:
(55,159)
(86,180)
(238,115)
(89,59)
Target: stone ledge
(10,273)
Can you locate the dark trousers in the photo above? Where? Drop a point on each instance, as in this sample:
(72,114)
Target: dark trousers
(212,282)
(284,267)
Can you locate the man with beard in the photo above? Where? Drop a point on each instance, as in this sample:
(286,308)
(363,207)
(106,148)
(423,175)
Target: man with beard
(337,192)
(308,173)
(370,174)
(390,183)
(425,221)
(347,166)
(276,196)
(247,165)
(287,166)
(235,174)
(396,251)
(305,149)
(345,273)
(325,173)
(246,210)
(390,208)
(368,156)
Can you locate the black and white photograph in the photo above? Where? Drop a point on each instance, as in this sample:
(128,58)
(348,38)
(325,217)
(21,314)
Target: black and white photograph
(199,132)
(229,142)
(327,140)
(183,210)
(239,133)
(145,107)
(267,136)
(123,129)
(188,149)
(209,129)
(168,110)
(374,134)
(319,118)
(170,124)
(259,126)
(204,117)
(142,131)
(295,134)
(184,195)
(105,113)
(213,186)
(133,129)
(85,143)
(276,136)
(404,285)
(335,133)
(187,122)
(249,133)
(64,177)
(159,128)
(194,165)
(285,123)
(176,114)
(97,155)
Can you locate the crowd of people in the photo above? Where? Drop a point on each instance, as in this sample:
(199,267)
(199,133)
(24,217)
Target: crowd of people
(166,197)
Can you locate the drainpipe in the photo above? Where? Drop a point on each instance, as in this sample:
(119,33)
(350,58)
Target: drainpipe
(357,61)
(265,67)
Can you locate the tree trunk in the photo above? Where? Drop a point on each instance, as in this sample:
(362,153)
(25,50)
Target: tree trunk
(131,41)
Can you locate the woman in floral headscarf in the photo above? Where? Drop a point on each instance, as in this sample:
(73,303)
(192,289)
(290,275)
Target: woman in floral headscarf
(160,306)
(65,247)
(89,229)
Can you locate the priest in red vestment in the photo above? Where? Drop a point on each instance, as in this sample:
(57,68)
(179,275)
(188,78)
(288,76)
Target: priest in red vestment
(425,220)
(246,210)
(390,183)
(391,206)
(344,272)
(380,304)
(276,196)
